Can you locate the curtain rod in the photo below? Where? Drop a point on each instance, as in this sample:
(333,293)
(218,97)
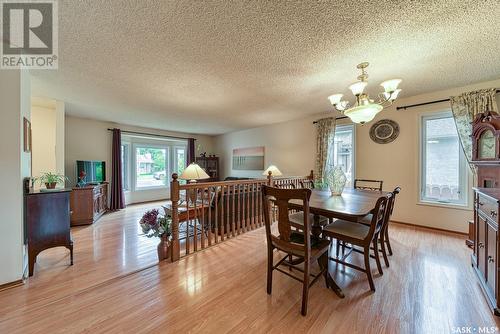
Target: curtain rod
(426,103)
(341,117)
(152,134)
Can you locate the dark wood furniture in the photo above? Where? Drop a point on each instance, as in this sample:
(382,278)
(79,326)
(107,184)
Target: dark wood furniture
(362,236)
(385,244)
(88,204)
(368,184)
(211,166)
(486,243)
(293,243)
(47,219)
(486,149)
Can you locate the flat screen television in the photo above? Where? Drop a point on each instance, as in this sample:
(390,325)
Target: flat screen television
(95,170)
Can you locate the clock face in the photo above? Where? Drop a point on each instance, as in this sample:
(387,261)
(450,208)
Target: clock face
(486,145)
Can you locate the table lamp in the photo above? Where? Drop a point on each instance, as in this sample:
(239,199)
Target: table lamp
(272,170)
(192,173)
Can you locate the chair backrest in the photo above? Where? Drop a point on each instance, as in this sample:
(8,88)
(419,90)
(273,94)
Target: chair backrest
(368,184)
(307,184)
(396,191)
(380,215)
(280,198)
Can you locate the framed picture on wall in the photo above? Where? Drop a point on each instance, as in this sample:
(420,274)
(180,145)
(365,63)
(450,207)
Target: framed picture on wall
(249,158)
(27,135)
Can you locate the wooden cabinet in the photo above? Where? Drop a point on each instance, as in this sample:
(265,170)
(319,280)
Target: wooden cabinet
(486,243)
(211,166)
(88,204)
(47,220)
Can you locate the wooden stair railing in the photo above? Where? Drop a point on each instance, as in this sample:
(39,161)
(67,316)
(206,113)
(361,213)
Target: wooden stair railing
(207,213)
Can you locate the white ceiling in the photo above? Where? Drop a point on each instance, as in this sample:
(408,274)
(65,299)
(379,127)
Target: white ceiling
(217,66)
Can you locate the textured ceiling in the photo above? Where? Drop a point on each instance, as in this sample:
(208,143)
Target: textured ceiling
(217,66)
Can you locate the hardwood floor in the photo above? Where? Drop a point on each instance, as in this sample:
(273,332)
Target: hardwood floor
(429,288)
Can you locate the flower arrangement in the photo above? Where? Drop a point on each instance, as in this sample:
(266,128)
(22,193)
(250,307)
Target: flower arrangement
(154,224)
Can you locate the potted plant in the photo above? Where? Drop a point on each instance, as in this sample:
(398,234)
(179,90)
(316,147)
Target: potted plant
(154,224)
(51,179)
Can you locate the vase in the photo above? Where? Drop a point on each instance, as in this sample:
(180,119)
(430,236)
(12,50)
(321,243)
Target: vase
(336,180)
(164,248)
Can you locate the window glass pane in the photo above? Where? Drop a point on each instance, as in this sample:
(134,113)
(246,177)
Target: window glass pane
(343,151)
(181,160)
(441,165)
(151,167)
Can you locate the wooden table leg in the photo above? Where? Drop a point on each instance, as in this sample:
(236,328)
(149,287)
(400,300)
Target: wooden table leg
(316,227)
(333,285)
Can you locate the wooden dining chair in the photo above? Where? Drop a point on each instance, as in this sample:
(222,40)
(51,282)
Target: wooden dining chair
(361,236)
(299,244)
(385,244)
(368,184)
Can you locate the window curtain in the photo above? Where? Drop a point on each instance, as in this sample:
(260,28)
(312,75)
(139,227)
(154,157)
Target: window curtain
(190,152)
(117,196)
(324,145)
(465,108)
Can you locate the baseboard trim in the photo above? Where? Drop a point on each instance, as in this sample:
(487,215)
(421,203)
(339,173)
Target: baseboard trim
(430,228)
(147,202)
(10,285)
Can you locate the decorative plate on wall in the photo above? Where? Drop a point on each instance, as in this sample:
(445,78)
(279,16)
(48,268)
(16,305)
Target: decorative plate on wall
(384,131)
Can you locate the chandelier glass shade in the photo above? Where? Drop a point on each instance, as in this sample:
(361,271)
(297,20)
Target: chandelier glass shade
(365,109)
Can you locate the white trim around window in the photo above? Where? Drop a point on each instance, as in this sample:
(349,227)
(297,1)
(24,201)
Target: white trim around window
(436,192)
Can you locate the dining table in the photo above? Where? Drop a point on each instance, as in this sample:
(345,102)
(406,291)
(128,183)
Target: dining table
(352,205)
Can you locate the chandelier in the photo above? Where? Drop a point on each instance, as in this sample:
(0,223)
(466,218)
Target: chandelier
(365,109)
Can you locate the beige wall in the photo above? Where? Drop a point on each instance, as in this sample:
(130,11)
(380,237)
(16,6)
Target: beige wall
(90,140)
(291,146)
(47,123)
(43,124)
(15,165)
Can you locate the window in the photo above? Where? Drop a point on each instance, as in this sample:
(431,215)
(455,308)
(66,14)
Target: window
(149,162)
(125,157)
(343,151)
(443,167)
(180,160)
(151,166)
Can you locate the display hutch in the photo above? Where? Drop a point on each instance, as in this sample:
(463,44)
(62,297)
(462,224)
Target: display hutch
(484,232)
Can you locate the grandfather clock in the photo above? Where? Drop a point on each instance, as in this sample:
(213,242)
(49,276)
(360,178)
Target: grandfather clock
(486,149)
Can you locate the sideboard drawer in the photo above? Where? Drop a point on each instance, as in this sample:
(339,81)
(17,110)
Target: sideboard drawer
(487,207)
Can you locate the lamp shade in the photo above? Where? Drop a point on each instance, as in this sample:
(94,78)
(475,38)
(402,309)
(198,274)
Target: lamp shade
(335,98)
(363,113)
(194,172)
(391,85)
(357,88)
(274,171)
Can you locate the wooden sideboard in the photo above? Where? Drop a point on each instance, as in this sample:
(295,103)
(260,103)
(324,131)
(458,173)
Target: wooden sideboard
(486,244)
(47,221)
(88,204)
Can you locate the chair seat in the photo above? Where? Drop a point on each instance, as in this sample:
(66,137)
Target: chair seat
(347,228)
(318,245)
(298,219)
